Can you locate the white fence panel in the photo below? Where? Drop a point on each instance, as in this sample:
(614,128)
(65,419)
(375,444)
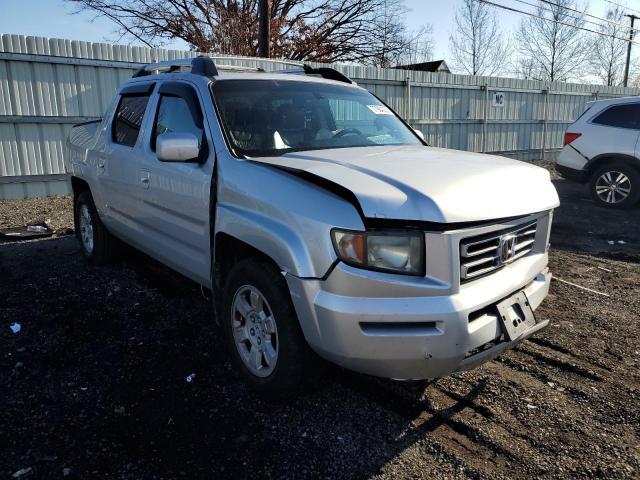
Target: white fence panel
(47,85)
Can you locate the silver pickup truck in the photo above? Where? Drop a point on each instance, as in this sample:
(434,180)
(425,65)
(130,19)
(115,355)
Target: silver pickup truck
(318,218)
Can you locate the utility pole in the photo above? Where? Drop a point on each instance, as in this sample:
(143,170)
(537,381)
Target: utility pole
(626,67)
(263,29)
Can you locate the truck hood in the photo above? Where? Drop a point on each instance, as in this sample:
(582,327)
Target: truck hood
(427,183)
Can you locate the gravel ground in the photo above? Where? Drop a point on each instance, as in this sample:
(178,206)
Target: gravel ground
(94,385)
(56,212)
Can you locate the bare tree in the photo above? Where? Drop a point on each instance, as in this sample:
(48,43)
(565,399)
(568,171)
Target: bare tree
(419,46)
(527,68)
(389,41)
(392,44)
(477,46)
(553,41)
(609,49)
(322,30)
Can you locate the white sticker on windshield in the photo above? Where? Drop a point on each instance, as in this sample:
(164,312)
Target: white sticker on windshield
(379,109)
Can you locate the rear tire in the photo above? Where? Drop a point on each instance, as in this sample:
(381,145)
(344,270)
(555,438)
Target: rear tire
(615,185)
(97,244)
(262,331)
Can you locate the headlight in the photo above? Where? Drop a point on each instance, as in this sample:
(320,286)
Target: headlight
(397,252)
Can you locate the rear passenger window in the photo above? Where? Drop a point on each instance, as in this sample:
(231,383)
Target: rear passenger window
(174,115)
(128,118)
(624,116)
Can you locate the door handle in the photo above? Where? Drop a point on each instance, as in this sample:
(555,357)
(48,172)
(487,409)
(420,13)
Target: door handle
(144,179)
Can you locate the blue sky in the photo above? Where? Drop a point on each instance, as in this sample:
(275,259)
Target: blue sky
(53,18)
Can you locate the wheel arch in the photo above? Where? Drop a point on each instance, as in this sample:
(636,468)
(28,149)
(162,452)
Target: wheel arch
(600,160)
(78,185)
(228,250)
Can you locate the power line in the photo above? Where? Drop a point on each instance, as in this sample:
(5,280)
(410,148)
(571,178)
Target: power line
(622,6)
(582,14)
(588,14)
(504,7)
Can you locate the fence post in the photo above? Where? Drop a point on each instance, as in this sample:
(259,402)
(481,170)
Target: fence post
(485,116)
(545,112)
(407,101)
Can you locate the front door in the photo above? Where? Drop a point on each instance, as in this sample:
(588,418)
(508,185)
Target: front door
(174,200)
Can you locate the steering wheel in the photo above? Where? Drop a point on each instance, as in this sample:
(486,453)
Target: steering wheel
(347,131)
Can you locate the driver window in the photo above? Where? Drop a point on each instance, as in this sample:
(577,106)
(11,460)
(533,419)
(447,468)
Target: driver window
(174,115)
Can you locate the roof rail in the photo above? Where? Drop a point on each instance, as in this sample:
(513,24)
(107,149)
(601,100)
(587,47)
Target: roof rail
(201,65)
(239,68)
(324,72)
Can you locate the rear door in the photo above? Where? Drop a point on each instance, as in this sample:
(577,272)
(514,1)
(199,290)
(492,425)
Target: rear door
(118,161)
(618,128)
(174,199)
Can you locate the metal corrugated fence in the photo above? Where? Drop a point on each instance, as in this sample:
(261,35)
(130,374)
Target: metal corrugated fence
(47,85)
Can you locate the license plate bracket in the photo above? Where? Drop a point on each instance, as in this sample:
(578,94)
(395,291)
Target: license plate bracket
(516,316)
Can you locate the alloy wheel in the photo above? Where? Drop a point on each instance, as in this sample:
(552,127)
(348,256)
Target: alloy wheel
(613,187)
(254,331)
(86,228)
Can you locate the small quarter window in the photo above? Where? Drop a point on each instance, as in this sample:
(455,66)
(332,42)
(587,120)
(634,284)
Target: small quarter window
(622,116)
(128,119)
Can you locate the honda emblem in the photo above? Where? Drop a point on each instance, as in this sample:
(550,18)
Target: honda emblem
(507,248)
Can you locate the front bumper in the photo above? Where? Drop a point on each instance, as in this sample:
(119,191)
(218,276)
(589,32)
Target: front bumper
(412,336)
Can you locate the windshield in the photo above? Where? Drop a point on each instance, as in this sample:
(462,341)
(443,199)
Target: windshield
(272,117)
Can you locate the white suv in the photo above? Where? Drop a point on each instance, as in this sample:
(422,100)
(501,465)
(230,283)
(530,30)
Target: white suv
(601,148)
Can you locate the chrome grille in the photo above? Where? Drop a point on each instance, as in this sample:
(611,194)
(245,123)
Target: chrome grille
(484,254)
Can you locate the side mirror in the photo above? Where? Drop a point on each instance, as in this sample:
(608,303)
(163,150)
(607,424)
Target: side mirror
(420,134)
(177,147)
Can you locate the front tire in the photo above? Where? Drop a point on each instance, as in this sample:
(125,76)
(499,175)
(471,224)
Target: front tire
(262,329)
(97,244)
(615,185)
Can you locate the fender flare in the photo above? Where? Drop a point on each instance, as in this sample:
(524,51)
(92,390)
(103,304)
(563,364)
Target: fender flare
(274,239)
(592,164)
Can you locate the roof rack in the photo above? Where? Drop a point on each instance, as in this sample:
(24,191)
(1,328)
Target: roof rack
(239,68)
(203,65)
(200,65)
(324,72)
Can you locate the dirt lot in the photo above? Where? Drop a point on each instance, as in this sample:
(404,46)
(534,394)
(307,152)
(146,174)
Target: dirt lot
(94,385)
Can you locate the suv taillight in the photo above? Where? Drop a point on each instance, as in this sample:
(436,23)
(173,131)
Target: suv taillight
(570,137)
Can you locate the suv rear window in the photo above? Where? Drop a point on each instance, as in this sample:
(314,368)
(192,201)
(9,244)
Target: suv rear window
(623,116)
(128,118)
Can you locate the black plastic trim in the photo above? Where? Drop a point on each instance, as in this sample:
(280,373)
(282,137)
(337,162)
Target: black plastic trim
(328,73)
(579,176)
(203,65)
(426,226)
(138,88)
(591,164)
(391,328)
(89,122)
